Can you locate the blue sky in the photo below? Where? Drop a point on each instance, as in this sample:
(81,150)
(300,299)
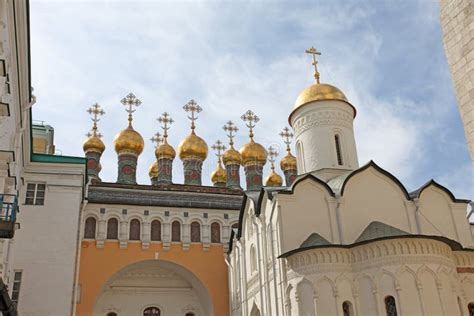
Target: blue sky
(231,56)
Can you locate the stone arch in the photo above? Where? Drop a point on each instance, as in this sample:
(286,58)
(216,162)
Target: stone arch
(366,289)
(153,275)
(326,293)
(430,293)
(306,294)
(255,311)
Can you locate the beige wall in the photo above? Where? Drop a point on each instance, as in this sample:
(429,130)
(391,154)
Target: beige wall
(457,21)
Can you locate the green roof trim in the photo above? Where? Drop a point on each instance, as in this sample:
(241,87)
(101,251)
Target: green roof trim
(57,159)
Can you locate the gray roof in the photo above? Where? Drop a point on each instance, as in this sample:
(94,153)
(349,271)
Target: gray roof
(379,230)
(314,239)
(336,183)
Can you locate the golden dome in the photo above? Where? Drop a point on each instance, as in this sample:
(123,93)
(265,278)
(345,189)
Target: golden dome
(192,146)
(273,180)
(319,92)
(288,162)
(165,150)
(93,143)
(231,156)
(253,152)
(129,140)
(219,175)
(153,170)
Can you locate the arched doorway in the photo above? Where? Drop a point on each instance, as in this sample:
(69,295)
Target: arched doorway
(154,288)
(255,311)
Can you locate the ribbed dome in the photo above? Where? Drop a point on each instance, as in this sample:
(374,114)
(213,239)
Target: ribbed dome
(165,151)
(273,180)
(192,146)
(231,156)
(129,140)
(253,152)
(219,175)
(288,162)
(93,143)
(153,170)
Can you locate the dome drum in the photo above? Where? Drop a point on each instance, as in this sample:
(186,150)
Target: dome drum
(233,176)
(165,171)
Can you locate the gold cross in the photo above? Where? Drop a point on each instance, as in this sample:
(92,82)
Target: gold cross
(156,139)
(287,135)
(312,51)
(219,147)
(130,101)
(192,107)
(230,128)
(272,153)
(96,112)
(250,120)
(165,120)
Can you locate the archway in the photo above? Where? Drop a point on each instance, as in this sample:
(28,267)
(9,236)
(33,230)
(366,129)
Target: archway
(255,311)
(154,284)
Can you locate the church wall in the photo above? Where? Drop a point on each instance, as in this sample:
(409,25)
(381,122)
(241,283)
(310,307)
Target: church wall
(371,196)
(305,212)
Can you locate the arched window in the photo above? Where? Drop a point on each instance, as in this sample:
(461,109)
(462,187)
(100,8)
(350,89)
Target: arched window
(337,141)
(470,307)
(253,259)
(195,232)
(152,311)
(215,233)
(176,231)
(111,314)
(112,228)
(190,314)
(89,229)
(299,156)
(156,230)
(134,229)
(347,309)
(390,306)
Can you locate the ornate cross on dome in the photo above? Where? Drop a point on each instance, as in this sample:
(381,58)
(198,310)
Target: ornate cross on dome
(312,51)
(272,154)
(287,135)
(96,112)
(194,108)
(165,120)
(130,101)
(250,120)
(156,139)
(219,147)
(230,129)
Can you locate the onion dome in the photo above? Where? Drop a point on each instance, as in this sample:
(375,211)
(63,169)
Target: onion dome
(253,152)
(165,151)
(273,180)
(288,162)
(192,146)
(93,144)
(153,170)
(129,140)
(219,175)
(231,156)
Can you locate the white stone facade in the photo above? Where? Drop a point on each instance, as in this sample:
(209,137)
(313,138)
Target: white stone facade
(457,21)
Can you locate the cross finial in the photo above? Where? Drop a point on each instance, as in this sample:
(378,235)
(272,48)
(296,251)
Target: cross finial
(219,147)
(194,108)
(287,135)
(165,120)
(312,51)
(231,129)
(250,120)
(156,139)
(272,154)
(95,112)
(130,102)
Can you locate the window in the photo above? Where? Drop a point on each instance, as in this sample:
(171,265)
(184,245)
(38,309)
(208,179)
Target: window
(195,232)
(253,259)
(152,311)
(16,286)
(111,314)
(190,314)
(390,306)
(215,233)
(156,230)
(35,193)
(134,229)
(338,150)
(112,228)
(347,309)
(470,307)
(89,228)
(176,231)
